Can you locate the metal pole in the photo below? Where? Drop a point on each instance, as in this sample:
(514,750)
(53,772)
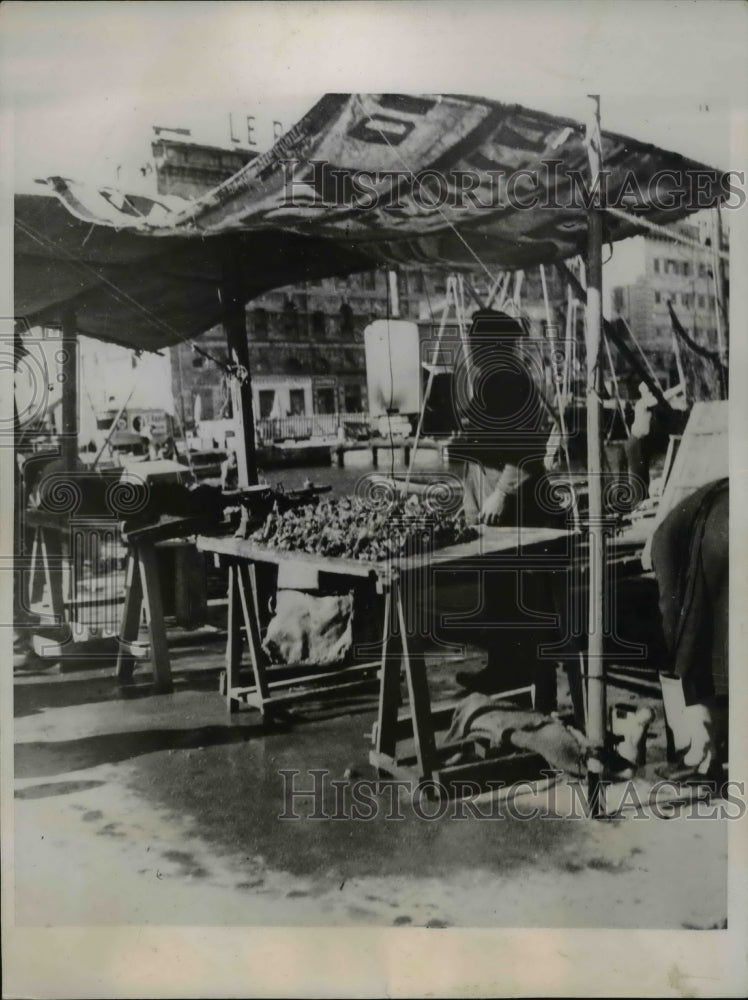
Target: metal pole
(595,668)
(551,330)
(69,437)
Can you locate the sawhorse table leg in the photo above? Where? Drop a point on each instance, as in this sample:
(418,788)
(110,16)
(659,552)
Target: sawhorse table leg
(47,573)
(46,594)
(403,650)
(243,612)
(142,590)
(233,639)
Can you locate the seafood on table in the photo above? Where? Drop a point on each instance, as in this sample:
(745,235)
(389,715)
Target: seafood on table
(365,528)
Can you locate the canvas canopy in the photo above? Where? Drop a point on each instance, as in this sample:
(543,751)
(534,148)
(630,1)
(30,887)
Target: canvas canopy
(361,181)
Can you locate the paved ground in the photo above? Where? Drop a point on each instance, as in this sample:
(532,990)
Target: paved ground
(162,809)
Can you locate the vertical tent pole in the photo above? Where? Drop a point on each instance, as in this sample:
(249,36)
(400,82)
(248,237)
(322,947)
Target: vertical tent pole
(62,576)
(394,294)
(595,669)
(720,290)
(69,438)
(235,327)
(454,284)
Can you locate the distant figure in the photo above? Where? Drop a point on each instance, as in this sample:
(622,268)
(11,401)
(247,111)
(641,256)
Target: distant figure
(230,472)
(638,446)
(154,448)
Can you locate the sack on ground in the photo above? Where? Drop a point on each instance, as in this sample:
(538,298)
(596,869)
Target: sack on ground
(310,629)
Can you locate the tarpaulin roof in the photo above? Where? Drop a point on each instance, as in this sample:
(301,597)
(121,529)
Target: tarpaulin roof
(362,180)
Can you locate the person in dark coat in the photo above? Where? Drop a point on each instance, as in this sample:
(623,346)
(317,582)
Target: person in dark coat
(505,428)
(690,557)
(503,444)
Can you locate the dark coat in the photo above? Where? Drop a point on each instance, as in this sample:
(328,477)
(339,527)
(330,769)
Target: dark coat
(690,556)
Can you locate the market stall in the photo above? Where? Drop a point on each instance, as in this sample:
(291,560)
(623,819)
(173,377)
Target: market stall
(137,272)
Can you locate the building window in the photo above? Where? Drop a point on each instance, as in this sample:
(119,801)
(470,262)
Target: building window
(702,302)
(711,302)
(325,400)
(370,281)
(267,401)
(352,399)
(320,363)
(656,263)
(686,268)
(290,319)
(658,297)
(318,325)
(298,402)
(702,270)
(346,320)
(260,322)
(685,299)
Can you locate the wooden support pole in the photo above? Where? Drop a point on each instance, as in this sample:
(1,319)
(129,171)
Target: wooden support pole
(595,667)
(69,436)
(235,326)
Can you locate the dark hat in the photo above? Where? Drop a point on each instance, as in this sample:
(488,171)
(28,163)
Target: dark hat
(488,324)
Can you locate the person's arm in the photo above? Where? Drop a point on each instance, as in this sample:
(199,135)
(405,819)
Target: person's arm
(493,507)
(508,485)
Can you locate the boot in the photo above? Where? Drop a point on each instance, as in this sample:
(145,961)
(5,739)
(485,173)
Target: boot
(633,727)
(697,762)
(700,724)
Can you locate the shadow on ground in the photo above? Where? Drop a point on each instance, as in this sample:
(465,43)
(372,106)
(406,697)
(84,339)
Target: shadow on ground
(44,759)
(61,691)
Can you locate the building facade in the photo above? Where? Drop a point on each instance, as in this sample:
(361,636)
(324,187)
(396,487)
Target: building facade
(650,272)
(306,351)
(189,169)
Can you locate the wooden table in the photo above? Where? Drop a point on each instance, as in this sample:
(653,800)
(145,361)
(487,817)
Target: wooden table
(403,641)
(143,593)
